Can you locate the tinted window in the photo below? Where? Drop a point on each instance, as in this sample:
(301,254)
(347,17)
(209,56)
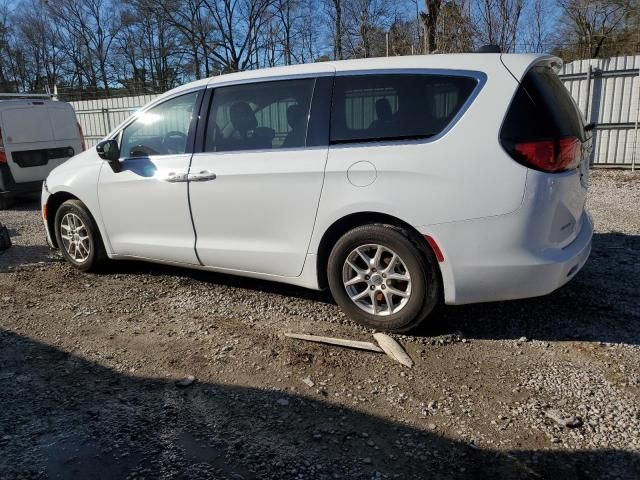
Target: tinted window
(542,108)
(162,130)
(376,107)
(259,116)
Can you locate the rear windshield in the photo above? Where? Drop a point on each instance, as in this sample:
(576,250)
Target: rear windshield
(39,122)
(395,106)
(542,108)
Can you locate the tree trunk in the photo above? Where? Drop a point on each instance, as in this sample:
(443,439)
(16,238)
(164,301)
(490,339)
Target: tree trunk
(338,33)
(431,23)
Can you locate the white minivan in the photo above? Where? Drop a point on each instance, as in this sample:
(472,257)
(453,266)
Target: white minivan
(36,135)
(395,182)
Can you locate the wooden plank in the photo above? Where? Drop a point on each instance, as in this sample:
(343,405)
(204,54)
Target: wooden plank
(342,342)
(393,349)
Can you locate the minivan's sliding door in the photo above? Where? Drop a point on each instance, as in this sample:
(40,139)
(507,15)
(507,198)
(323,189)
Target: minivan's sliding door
(254,191)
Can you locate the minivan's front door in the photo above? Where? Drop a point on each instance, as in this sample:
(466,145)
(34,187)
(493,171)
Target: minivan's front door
(254,192)
(145,206)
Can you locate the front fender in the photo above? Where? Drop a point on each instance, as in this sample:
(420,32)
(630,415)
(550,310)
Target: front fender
(76,178)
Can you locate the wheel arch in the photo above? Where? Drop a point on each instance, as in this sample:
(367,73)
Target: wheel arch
(348,222)
(53,204)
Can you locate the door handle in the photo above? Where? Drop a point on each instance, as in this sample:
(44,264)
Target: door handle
(203,176)
(174,177)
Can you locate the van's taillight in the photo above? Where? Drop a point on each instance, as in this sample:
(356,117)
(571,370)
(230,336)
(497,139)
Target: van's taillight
(550,155)
(84,145)
(3,154)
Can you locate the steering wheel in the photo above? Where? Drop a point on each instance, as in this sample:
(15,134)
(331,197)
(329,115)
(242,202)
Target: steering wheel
(142,151)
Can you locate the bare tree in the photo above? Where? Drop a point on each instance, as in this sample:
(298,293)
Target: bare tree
(90,27)
(446,26)
(7,79)
(366,24)
(42,44)
(308,32)
(497,22)
(151,50)
(237,24)
(595,25)
(132,46)
(193,28)
(286,12)
(454,29)
(334,10)
(403,37)
(536,31)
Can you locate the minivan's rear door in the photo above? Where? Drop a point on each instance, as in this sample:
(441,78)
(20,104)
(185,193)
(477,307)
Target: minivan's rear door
(38,136)
(544,130)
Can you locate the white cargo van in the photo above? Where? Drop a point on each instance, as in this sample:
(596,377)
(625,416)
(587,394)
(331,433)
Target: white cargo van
(36,135)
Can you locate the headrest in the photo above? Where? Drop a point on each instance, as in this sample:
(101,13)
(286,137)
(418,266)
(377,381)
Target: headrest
(295,115)
(242,117)
(383,109)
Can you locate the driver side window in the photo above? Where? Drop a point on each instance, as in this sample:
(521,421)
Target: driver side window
(162,130)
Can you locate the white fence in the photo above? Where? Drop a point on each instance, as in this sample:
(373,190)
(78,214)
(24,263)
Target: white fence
(98,117)
(606,90)
(608,93)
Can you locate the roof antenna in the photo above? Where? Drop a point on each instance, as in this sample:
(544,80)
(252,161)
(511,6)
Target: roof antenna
(489,49)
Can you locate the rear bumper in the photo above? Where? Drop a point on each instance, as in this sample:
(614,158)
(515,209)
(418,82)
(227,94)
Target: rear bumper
(483,264)
(8,186)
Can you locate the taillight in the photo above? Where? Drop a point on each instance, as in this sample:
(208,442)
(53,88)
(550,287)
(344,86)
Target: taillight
(3,154)
(550,155)
(84,145)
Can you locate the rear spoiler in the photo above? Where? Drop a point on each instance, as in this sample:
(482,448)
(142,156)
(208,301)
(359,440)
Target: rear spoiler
(519,65)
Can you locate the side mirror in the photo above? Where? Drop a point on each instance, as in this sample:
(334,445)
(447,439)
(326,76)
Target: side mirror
(110,151)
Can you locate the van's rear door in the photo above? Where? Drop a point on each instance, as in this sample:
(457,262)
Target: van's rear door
(543,113)
(38,136)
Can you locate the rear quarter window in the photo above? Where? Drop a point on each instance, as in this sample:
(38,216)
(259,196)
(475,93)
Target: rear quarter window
(396,106)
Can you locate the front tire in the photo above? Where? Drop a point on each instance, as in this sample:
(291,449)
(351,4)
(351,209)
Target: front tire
(78,237)
(382,279)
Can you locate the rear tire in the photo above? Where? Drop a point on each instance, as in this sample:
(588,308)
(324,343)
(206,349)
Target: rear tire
(78,237)
(382,279)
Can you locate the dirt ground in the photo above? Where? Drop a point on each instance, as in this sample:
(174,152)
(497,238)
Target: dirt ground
(89,364)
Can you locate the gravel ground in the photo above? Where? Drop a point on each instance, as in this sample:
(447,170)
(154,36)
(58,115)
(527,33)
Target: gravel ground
(89,364)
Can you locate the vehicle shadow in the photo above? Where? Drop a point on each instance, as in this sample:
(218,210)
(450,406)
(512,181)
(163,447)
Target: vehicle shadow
(135,267)
(25,203)
(599,305)
(22,255)
(62,416)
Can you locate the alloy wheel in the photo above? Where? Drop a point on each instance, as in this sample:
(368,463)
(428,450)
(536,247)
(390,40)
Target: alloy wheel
(75,237)
(376,279)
